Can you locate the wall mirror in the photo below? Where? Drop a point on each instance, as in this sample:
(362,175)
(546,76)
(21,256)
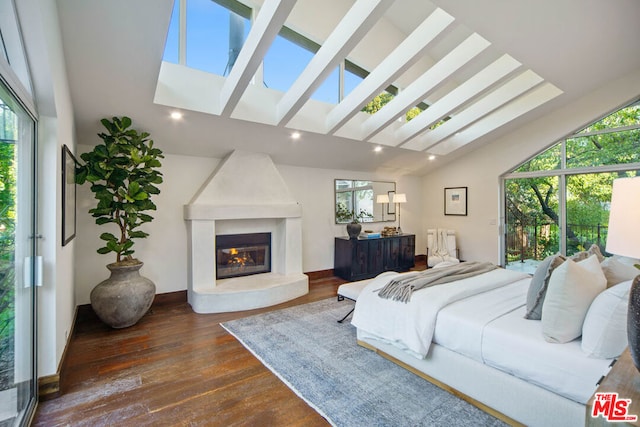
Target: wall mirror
(358,198)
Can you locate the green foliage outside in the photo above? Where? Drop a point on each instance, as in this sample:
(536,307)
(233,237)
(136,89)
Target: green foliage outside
(123,172)
(344,215)
(7,239)
(532,203)
(383,99)
(7,256)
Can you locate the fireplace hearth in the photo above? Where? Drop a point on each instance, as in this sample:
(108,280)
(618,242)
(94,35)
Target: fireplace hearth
(242,254)
(229,203)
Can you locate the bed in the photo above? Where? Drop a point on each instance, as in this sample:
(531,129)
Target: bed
(471,337)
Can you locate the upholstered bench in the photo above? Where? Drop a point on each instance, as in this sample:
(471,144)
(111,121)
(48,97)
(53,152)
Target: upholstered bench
(351,291)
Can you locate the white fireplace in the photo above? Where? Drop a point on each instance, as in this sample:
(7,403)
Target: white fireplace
(245,194)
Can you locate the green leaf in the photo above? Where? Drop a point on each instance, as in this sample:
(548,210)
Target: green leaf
(103,220)
(134,188)
(138,234)
(108,237)
(104,250)
(141,196)
(126,122)
(112,245)
(145,217)
(81,175)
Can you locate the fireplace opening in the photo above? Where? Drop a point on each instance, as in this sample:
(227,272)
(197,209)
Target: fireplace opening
(242,254)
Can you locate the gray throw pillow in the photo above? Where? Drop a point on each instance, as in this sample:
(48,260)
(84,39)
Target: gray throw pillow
(593,250)
(538,286)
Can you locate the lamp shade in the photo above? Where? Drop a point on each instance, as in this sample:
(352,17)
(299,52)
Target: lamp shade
(400,198)
(382,198)
(623,237)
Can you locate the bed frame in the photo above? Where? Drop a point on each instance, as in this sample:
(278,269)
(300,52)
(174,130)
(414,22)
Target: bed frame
(505,396)
(500,394)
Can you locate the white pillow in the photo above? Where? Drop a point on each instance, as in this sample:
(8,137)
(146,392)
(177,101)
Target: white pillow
(572,288)
(617,269)
(604,332)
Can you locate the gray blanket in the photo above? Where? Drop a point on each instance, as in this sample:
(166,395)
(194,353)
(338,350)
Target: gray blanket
(400,289)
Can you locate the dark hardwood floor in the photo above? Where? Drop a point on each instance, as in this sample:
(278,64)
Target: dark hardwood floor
(175,367)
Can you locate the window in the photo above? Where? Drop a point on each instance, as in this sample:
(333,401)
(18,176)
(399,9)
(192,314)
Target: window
(558,201)
(216,30)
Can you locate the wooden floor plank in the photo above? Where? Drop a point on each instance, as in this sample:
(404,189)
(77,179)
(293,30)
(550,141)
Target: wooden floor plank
(175,367)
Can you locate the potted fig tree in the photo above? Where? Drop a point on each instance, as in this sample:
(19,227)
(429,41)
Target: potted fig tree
(123,173)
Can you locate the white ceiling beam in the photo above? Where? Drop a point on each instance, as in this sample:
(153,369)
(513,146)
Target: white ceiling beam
(477,84)
(397,62)
(492,101)
(350,30)
(535,98)
(420,88)
(264,30)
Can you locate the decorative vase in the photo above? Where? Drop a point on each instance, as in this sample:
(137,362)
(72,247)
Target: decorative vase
(122,299)
(353,230)
(633,322)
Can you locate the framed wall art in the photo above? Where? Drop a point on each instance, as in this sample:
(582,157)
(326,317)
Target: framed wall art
(68,195)
(455,201)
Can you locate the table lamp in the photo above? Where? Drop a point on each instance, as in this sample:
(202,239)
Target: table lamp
(398,199)
(382,198)
(623,239)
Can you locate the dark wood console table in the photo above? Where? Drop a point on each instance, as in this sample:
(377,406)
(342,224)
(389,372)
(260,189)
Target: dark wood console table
(358,259)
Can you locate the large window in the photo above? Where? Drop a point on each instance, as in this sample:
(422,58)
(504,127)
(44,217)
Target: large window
(559,200)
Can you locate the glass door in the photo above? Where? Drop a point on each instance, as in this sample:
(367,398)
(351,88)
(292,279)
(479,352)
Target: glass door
(532,221)
(17,249)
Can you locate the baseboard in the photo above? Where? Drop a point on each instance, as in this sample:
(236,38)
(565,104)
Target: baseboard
(49,385)
(321,274)
(170,298)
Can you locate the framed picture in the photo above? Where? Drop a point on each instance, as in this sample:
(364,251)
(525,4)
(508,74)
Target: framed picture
(68,195)
(455,201)
(391,207)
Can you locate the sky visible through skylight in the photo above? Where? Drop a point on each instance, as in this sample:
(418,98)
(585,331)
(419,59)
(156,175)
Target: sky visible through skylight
(208,50)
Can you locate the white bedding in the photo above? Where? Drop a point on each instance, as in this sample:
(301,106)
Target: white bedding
(411,325)
(460,325)
(481,318)
(516,345)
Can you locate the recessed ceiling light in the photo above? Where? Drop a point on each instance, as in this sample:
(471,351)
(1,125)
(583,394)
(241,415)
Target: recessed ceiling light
(295,135)
(432,157)
(377,149)
(176,115)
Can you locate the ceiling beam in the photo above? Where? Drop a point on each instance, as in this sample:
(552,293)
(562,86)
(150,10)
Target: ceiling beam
(350,30)
(533,99)
(397,62)
(477,84)
(494,100)
(264,30)
(420,88)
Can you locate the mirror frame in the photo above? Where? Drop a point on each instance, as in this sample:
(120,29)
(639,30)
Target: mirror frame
(387,213)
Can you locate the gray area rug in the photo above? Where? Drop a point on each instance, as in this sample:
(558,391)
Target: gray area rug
(347,384)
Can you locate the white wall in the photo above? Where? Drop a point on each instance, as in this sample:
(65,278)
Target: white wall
(56,303)
(164,252)
(478,232)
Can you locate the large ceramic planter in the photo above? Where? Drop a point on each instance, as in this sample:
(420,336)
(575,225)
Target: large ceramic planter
(122,299)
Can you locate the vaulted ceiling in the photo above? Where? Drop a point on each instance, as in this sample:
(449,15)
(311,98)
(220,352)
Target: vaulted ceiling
(485,67)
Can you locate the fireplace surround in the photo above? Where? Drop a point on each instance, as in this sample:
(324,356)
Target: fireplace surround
(255,201)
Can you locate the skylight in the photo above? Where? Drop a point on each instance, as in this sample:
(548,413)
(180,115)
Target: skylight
(449,86)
